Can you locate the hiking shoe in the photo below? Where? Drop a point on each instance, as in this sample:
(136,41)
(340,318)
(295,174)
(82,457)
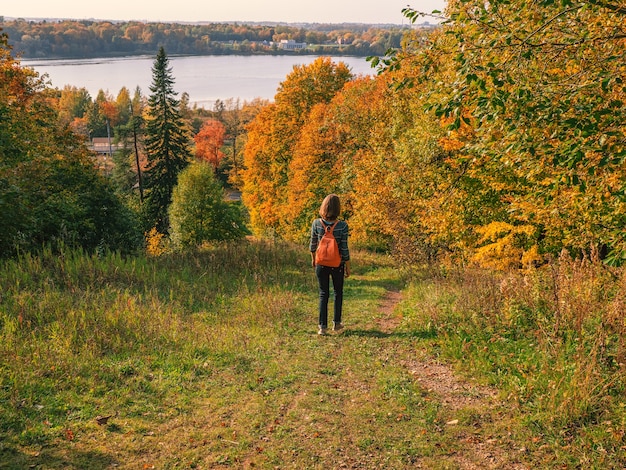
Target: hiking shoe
(337,326)
(321,331)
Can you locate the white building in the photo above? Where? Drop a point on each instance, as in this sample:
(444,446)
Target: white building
(291,45)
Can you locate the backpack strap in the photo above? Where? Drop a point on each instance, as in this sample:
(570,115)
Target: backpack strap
(328,227)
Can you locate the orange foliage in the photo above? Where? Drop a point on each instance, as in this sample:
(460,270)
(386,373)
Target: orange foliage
(258,191)
(109,110)
(273,137)
(457,164)
(209,142)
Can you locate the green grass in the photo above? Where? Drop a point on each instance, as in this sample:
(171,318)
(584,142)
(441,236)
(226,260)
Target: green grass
(211,360)
(205,360)
(552,341)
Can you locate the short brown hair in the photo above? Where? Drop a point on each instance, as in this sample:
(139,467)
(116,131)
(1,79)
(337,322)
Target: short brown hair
(331,207)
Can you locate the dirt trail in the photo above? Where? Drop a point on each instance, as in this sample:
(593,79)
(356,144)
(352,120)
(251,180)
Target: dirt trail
(479,451)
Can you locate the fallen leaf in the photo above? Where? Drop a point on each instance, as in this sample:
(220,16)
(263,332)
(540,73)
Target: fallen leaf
(102,420)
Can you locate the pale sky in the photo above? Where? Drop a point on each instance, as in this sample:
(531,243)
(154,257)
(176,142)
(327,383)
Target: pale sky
(291,11)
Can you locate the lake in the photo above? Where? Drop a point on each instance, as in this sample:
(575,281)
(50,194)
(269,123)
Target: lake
(205,78)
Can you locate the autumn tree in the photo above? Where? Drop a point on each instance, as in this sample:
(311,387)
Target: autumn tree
(314,171)
(274,133)
(209,142)
(440,195)
(257,176)
(334,143)
(531,99)
(123,106)
(166,143)
(545,87)
(73,105)
(237,119)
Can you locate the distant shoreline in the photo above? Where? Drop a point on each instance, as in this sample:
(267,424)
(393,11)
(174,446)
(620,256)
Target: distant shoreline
(234,53)
(176,56)
(307,25)
(90,39)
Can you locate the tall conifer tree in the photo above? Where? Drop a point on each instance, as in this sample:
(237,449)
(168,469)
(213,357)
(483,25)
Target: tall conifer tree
(167,143)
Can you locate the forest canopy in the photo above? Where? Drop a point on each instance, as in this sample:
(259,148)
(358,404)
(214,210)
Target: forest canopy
(499,141)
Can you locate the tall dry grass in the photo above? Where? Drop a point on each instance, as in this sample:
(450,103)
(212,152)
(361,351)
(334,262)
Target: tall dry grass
(552,338)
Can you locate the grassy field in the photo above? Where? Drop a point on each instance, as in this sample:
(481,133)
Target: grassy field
(211,360)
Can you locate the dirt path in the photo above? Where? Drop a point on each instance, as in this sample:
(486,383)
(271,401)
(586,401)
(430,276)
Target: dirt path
(456,395)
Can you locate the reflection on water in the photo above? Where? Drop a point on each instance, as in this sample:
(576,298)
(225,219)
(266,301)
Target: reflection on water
(205,78)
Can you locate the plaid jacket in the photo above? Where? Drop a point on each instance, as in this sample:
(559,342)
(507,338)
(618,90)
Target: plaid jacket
(340,232)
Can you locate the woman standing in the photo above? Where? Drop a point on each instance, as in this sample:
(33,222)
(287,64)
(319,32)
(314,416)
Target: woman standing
(329,221)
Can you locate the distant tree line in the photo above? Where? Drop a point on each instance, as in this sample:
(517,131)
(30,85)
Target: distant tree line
(88,38)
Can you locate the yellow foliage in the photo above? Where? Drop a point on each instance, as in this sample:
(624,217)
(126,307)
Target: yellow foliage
(450,144)
(531,256)
(495,230)
(155,243)
(502,246)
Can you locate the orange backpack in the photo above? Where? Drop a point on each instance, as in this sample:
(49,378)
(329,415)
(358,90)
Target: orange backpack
(327,253)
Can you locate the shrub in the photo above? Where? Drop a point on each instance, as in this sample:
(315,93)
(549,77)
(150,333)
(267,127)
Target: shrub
(199,213)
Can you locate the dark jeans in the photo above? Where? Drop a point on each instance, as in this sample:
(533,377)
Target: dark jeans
(324,274)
